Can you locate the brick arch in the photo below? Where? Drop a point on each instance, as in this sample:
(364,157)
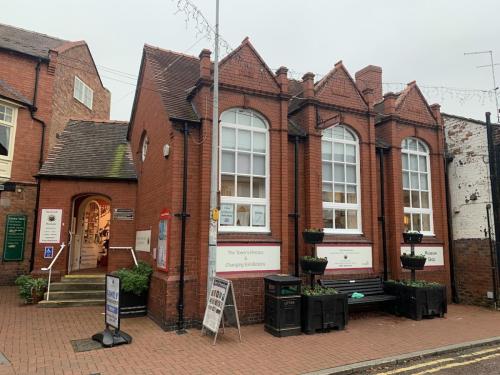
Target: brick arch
(250,108)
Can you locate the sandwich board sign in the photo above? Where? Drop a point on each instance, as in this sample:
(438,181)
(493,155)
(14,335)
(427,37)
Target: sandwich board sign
(221,303)
(112,316)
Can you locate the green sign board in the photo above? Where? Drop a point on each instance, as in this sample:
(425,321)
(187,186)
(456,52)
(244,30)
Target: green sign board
(15,235)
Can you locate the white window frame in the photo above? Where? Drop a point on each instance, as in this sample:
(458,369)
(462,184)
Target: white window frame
(246,200)
(411,210)
(144,147)
(85,88)
(12,135)
(344,206)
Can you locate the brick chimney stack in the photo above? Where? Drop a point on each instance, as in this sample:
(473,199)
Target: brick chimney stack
(282,74)
(205,64)
(370,77)
(390,103)
(308,85)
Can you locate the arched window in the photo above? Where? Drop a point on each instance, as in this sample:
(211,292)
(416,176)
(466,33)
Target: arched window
(244,172)
(144,146)
(417,198)
(341,187)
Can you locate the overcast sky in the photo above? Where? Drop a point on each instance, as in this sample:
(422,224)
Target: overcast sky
(422,40)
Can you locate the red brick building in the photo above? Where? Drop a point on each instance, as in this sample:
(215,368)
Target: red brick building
(350,141)
(44,81)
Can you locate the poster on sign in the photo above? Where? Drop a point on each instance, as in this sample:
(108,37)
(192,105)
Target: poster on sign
(221,301)
(112,311)
(433,254)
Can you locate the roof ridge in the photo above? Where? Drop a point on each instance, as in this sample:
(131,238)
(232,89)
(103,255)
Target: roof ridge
(99,121)
(170,51)
(34,32)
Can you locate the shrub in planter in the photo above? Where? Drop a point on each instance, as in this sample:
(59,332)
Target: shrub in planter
(418,299)
(323,309)
(134,286)
(31,290)
(313,235)
(313,265)
(412,237)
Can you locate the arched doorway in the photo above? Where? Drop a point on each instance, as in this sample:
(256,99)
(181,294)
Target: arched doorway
(90,229)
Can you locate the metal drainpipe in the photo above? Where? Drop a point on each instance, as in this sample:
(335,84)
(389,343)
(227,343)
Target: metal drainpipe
(296,204)
(33,109)
(183,215)
(382,209)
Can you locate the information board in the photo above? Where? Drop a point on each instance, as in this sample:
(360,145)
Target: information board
(112,301)
(433,254)
(346,257)
(15,235)
(50,226)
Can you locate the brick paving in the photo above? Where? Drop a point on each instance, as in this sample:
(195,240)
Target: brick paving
(37,341)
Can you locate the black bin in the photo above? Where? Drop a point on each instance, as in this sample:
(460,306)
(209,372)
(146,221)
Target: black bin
(282,305)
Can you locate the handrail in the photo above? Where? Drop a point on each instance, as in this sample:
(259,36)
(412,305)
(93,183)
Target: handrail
(49,268)
(126,248)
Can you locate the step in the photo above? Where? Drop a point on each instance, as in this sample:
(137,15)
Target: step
(84,279)
(72,303)
(76,295)
(69,286)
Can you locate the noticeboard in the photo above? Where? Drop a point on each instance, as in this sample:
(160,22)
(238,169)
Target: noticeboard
(112,311)
(15,235)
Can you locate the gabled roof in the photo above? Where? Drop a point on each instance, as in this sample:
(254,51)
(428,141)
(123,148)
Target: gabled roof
(175,75)
(28,42)
(91,149)
(403,96)
(8,92)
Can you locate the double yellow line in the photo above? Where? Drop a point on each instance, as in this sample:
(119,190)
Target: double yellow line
(495,353)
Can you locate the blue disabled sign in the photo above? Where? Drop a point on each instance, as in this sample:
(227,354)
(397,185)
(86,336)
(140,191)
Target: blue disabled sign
(48,252)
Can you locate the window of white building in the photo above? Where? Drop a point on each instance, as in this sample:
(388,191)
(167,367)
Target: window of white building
(417,198)
(83,93)
(341,181)
(244,172)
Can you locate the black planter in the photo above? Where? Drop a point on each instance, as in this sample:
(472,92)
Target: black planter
(412,237)
(133,305)
(413,263)
(418,302)
(313,267)
(313,237)
(322,313)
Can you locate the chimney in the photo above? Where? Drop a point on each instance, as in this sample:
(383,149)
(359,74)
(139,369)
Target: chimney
(205,64)
(370,77)
(308,85)
(281,73)
(436,111)
(390,103)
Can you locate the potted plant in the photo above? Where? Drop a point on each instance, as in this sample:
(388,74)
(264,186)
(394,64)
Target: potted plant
(323,309)
(418,299)
(412,237)
(413,262)
(313,235)
(134,286)
(313,265)
(31,290)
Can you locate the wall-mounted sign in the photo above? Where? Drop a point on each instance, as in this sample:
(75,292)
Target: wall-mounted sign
(15,235)
(48,252)
(123,214)
(346,257)
(163,238)
(235,258)
(143,240)
(434,254)
(50,225)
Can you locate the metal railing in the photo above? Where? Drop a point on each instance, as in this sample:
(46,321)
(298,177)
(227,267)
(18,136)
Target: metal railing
(49,268)
(126,248)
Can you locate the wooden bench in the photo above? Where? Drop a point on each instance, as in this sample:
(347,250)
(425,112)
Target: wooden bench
(372,288)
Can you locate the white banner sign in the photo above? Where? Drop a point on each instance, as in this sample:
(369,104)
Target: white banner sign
(434,254)
(143,240)
(248,258)
(113,301)
(346,257)
(50,226)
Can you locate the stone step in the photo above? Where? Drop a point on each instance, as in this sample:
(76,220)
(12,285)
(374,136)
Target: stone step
(75,295)
(84,279)
(71,303)
(69,286)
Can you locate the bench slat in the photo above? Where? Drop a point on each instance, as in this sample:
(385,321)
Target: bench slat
(372,288)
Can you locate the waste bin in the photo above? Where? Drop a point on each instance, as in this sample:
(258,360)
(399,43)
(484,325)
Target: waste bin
(282,305)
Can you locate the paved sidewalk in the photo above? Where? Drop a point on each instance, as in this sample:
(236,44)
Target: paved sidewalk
(37,341)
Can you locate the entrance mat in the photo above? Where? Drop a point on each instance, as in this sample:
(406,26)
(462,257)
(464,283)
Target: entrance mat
(85,345)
